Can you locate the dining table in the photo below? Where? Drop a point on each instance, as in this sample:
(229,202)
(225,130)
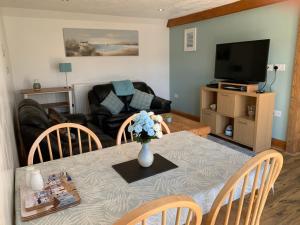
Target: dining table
(203,167)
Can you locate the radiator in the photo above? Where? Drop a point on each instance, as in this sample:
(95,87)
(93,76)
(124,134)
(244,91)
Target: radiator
(80,97)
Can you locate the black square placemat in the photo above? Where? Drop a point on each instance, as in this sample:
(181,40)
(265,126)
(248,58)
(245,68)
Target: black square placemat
(131,171)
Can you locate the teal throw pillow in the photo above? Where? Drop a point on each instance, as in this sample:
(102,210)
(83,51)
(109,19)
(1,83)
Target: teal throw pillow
(113,103)
(141,100)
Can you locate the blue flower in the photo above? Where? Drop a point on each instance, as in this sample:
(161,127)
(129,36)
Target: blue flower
(144,114)
(143,122)
(151,132)
(138,128)
(130,128)
(149,122)
(146,127)
(136,118)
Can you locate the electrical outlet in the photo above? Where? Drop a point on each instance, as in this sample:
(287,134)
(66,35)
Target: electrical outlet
(270,67)
(277,113)
(176,95)
(281,67)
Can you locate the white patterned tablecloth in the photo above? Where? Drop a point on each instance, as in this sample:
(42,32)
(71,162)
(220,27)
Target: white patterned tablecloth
(203,168)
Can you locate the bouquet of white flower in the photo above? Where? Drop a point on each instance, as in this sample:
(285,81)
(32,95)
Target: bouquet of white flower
(146,126)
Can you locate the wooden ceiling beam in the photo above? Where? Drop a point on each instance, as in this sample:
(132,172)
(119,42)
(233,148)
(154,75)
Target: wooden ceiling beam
(235,7)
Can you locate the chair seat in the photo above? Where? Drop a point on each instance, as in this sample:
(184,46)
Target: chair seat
(116,120)
(105,139)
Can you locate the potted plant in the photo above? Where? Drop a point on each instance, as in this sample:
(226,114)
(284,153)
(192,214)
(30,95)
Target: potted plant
(145,127)
(168,117)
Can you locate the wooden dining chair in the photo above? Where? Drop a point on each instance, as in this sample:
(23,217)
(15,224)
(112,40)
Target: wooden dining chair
(258,175)
(160,208)
(122,131)
(56,131)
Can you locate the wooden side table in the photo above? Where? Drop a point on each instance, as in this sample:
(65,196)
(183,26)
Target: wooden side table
(67,103)
(180,123)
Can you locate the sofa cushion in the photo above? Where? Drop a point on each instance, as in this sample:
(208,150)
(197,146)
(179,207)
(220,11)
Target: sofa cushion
(56,117)
(77,118)
(143,87)
(106,140)
(102,90)
(141,100)
(113,123)
(119,118)
(113,103)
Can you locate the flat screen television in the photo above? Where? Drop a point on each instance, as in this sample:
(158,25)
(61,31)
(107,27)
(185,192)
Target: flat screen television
(242,62)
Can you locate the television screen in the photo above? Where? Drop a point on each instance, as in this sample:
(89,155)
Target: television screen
(244,62)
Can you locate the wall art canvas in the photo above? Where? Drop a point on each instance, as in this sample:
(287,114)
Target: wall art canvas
(100,42)
(190,37)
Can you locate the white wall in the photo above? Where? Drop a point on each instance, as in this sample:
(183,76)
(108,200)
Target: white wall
(8,153)
(35,42)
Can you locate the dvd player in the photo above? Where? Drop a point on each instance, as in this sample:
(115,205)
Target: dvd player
(235,88)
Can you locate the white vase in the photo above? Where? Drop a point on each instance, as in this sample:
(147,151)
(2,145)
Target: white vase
(37,183)
(145,157)
(29,170)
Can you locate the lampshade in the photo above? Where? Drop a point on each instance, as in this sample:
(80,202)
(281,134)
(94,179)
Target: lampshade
(65,67)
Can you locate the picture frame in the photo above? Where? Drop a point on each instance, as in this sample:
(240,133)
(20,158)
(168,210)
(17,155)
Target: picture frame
(190,39)
(83,42)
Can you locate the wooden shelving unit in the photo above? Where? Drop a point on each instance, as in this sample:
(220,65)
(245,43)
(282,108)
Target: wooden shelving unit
(67,103)
(232,108)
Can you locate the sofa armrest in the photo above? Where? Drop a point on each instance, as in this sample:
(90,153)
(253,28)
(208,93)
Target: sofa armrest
(29,135)
(160,103)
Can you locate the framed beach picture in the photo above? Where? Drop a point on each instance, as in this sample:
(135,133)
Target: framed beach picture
(190,39)
(100,42)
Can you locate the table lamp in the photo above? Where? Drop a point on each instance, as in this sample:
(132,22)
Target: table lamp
(65,68)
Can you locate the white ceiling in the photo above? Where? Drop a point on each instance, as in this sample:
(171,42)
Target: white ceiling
(132,8)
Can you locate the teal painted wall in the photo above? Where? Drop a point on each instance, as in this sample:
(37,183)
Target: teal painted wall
(189,70)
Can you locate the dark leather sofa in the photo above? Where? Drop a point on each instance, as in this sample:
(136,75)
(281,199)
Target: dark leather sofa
(111,123)
(33,120)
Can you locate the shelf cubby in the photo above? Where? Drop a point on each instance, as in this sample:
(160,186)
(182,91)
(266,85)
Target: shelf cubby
(209,98)
(223,122)
(245,102)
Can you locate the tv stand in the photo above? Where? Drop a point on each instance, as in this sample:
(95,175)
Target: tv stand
(238,87)
(231,107)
